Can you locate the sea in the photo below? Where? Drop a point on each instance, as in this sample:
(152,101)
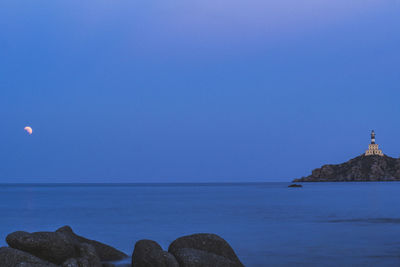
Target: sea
(267,224)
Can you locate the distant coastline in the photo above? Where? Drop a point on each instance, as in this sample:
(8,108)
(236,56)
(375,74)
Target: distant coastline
(360,169)
(372,166)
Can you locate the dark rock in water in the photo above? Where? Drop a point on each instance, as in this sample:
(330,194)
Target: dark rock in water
(204,249)
(10,257)
(149,253)
(105,252)
(50,246)
(189,257)
(295,185)
(64,247)
(362,168)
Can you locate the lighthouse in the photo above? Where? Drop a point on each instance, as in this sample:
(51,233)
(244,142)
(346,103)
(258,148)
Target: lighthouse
(373,137)
(373,148)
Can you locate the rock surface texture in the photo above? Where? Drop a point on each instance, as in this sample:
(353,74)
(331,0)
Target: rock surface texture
(362,168)
(10,257)
(149,253)
(200,250)
(49,246)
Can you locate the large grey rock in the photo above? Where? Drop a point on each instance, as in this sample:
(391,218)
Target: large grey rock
(10,257)
(203,250)
(50,246)
(105,252)
(189,257)
(148,253)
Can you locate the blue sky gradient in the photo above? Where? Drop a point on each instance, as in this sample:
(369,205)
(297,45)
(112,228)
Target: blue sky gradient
(194,91)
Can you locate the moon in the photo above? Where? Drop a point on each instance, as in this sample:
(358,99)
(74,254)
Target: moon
(28,130)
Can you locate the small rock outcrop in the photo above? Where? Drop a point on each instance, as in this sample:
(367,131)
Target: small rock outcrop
(49,246)
(10,257)
(203,250)
(105,252)
(360,169)
(149,253)
(295,185)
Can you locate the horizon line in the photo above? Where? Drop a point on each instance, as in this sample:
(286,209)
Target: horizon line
(142,183)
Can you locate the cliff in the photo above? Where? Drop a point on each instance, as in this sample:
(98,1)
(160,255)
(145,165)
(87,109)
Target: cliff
(361,168)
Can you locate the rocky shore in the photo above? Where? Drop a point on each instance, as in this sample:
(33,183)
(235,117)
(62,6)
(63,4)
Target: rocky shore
(360,169)
(64,248)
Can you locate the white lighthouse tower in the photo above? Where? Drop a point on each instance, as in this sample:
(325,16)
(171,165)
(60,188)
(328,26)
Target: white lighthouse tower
(373,148)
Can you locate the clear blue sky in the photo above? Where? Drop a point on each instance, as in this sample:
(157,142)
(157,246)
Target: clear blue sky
(194,91)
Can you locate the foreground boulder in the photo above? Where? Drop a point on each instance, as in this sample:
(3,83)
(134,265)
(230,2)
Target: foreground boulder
(49,246)
(149,253)
(10,257)
(64,248)
(201,250)
(105,252)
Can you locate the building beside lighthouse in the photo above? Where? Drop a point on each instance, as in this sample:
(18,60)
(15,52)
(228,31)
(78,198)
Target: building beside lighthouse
(373,148)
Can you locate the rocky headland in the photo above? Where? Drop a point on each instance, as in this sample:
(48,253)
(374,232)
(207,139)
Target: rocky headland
(64,248)
(360,169)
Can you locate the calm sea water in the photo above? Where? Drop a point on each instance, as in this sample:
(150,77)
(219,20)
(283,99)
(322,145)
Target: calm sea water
(330,224)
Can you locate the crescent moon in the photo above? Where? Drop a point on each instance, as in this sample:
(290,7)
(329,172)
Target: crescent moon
(28,130)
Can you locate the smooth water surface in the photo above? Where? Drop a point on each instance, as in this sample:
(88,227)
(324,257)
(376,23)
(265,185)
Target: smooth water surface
(327,224)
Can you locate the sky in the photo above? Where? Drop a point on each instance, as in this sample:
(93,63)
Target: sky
(194,90)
